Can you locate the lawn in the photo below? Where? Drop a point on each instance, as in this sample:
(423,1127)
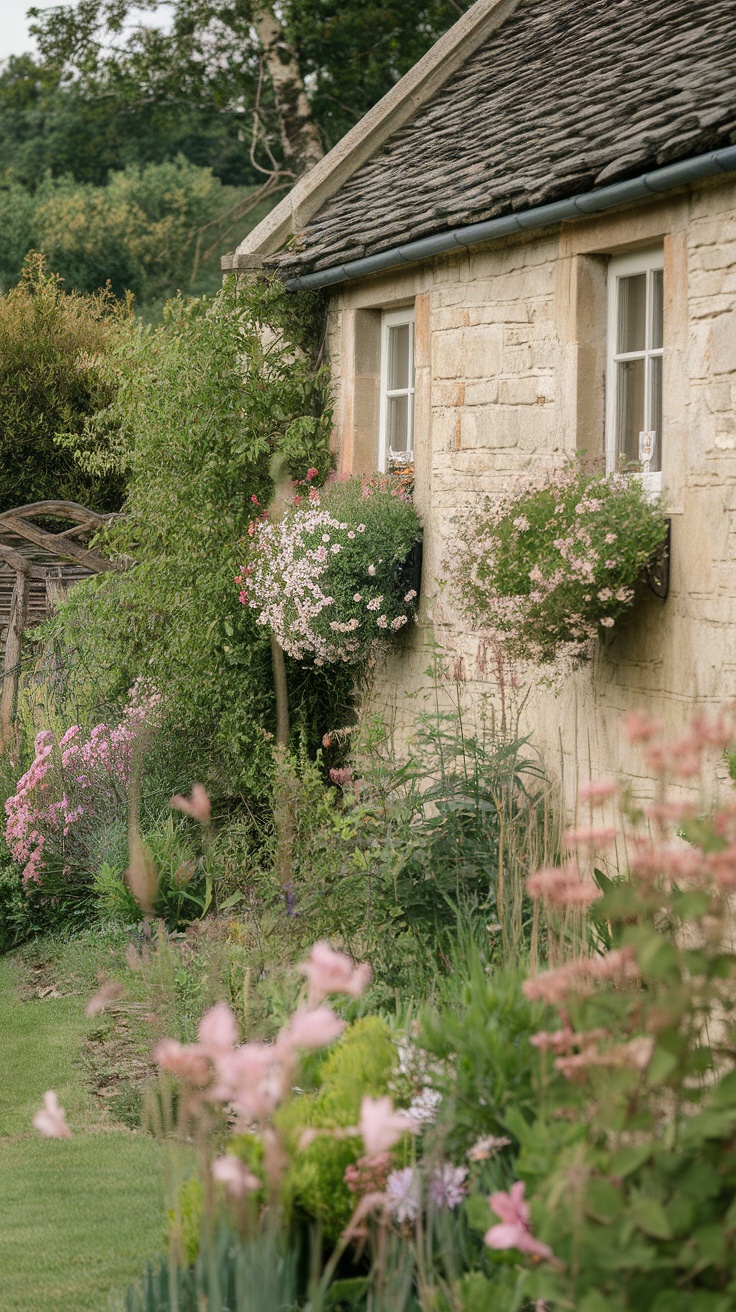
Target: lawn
(78,1217)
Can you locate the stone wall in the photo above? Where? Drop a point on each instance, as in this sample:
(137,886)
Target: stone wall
(510,377)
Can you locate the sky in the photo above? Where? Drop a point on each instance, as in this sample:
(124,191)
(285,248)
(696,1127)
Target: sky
(14,37)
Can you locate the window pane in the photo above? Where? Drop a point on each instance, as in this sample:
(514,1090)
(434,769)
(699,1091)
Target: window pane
(629,407)
(397,425)
(656,321)
(655,409)
(632,301)
(398,356)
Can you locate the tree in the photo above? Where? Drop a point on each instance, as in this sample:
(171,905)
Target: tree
(288,79)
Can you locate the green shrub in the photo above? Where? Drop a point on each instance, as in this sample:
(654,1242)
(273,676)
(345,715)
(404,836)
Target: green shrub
(363,1062)
(387,862)
(205,402)
(53,381)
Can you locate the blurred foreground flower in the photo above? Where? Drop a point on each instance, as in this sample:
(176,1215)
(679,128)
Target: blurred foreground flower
(51,1120)
(514,1232)
(197,806)
(381,1127)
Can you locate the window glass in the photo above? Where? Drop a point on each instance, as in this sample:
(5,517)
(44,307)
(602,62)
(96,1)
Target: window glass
(656,328)
(632,313)
(397,386)
(397,426)
(398,356)
(630,408)
(635,370)
(655,416)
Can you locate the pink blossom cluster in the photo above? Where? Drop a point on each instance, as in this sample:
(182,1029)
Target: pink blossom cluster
(289,581)
(73,786)
(549,564)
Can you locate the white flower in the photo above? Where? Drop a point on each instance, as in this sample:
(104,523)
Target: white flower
(447,1188)
(607,622)
(374,603)
(382,622)
(358,596)
(361,528)
(335,548)
(398,623)
(411,594)
(403,1195)
(371,570)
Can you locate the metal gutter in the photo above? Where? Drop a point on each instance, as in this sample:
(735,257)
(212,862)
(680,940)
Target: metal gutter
(541,216)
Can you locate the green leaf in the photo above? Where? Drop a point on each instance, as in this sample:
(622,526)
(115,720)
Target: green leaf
(478,1213)
(603,1201)
(231,901)
(650,1216)
(627,1160)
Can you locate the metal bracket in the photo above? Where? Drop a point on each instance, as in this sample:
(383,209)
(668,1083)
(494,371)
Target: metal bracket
(657,573)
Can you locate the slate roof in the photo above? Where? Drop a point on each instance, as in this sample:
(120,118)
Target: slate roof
(565,96)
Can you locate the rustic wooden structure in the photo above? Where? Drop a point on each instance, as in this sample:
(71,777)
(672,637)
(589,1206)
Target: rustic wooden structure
(37,566)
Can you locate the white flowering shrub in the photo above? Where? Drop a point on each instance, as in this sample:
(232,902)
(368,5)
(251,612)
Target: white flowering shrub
(553,562)
(330,578)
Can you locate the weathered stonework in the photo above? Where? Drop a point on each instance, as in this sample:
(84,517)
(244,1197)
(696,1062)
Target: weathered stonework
(510,377)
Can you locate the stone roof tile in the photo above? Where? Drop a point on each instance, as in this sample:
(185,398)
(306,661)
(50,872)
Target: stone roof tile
(566,96)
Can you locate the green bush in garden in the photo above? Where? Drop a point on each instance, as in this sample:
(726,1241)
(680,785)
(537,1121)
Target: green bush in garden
(388,859)
(53,382)
(363,1062)
(204,403)
(551,564)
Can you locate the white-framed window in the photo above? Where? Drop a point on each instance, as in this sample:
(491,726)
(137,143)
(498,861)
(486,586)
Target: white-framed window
(634,375)
(396,434)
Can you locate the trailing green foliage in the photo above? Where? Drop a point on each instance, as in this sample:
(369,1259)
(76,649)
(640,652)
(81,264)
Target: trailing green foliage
(555,562)
(204,403)
(53,381)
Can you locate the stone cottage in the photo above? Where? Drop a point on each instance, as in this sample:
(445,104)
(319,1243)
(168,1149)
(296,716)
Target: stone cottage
(530,249)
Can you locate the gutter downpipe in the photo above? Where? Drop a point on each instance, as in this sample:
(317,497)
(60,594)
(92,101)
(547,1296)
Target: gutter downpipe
(590,202)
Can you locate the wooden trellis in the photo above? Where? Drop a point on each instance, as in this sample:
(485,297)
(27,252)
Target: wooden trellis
(37,567)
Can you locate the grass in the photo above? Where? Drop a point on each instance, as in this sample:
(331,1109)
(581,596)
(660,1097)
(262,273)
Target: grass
(79,1217)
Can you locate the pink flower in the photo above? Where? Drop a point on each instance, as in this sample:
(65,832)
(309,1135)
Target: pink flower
(381,1127)
(103,997)
(311,473)
(514,1232)
(218,1032)
(313,1029)
(255,500)
(51,1120)
(188,1062)
(333,972)
(597,791)
(197,806)
(235,1176)
(640,727)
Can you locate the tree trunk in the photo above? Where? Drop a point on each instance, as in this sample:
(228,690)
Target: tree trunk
(300,139)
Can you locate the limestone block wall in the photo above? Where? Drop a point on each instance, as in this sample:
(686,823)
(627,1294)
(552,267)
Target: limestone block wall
(510,377)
